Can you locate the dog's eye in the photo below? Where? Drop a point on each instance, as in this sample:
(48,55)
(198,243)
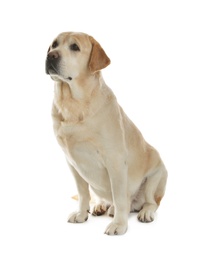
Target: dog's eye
(74,47)
(54,44)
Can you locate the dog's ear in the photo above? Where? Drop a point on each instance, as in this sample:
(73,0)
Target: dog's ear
(98,58)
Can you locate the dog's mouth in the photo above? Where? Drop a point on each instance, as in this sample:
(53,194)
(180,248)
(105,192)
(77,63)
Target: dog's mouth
(51,68)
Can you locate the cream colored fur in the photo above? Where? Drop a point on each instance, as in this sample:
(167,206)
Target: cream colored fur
(105,151)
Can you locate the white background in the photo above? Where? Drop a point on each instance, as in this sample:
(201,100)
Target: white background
(158,54)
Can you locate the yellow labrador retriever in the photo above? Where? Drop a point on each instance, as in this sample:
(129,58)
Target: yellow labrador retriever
(106,152)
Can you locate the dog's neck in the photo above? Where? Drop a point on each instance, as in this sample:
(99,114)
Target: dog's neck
(82,87)
(76,97)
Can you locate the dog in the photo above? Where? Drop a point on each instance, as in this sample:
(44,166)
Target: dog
(105,151)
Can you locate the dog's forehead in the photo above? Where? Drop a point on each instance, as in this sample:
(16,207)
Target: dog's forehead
(81,38)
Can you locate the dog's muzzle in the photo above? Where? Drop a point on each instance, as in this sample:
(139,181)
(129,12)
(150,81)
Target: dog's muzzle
(52,62)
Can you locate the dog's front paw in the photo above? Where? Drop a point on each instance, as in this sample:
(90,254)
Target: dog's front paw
(116,229)
(78,217)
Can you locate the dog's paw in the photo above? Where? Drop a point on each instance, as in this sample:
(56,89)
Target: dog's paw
(111,211)
(99,209)
(115,229)
(146,215)
(78,217)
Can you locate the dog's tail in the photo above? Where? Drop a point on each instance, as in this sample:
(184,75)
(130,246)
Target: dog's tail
(92,199)
(75,197)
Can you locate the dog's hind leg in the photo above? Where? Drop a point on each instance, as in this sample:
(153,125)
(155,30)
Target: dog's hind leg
(100,208)
(153,192)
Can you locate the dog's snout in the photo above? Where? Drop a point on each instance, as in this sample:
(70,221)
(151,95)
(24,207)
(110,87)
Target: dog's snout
(53,55)
(52,62)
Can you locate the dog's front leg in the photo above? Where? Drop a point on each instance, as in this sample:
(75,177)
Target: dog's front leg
(84,197)
(118,180)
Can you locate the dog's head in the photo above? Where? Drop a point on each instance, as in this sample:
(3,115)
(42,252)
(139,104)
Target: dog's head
(72,55)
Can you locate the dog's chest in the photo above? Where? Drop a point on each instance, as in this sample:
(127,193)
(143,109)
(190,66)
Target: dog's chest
(80,143)
(84,152)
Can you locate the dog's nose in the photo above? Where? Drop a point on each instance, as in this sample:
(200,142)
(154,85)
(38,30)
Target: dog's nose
(53,55)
